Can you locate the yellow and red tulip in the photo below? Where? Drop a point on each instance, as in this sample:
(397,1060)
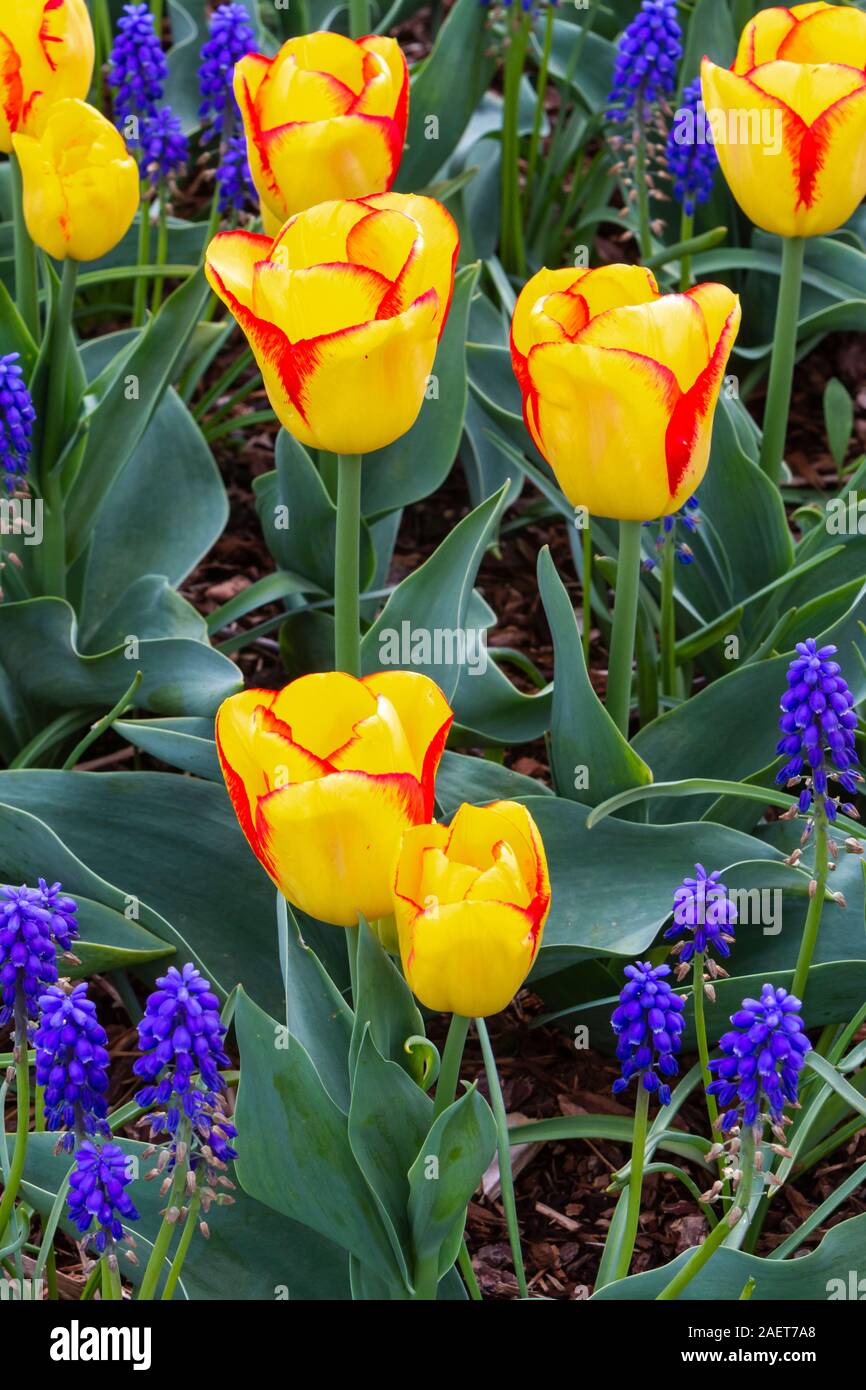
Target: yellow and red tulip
(324,119)
(326,775)
(343,312)
(46,52)
(470,903)
(802,73)
(620,384)
(81,185)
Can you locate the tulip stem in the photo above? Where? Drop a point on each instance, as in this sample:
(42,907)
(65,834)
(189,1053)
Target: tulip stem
(26,292)
(782,361)
(586,579)
(139,301)
(687,231)
(816,902)
(54,569)
(668,618)
(359,18)
(347,608)
(449,1072)
(503,1145)
(635,1181)
(624,623)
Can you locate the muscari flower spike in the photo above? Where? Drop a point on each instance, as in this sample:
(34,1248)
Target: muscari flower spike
(692,163)
(137,68)
(688,516)
(231,36)
(180,1035)
(818,724)
(164,147)
(72,1064)
(703,914)
(33,923)
(648,1022)
(647,56)
(97,1193)
(234,180)
(16,421)
(763,1056)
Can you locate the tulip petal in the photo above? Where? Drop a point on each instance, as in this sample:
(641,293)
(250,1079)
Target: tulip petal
(468,958)
(688,438)
(762,37)
(292,93)
(300,164)
(322,299)
(828,34)
(389,52)
(437,253)
(378,744)
(408,875)
(671,331)
(318,237)
(384,240)
(426,717)
(322,709)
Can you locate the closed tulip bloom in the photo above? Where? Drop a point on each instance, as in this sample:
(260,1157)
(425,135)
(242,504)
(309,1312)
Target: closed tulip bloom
(789,119)
(46,52)
(470,903)
(324,119)
(343,312)
(81,185)
(325,776)
(620,384)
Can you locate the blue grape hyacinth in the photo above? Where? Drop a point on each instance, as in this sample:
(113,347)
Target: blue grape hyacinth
(648,1022)
(763,1056)
(33,923)
(97,1193)
(234,180)
(181,1035)
(703,914)
(818,725)
(231,35)
(16,421)
(137,68)
(647,57)
(72,1064)
(688,517)
(690,153)
(164,147)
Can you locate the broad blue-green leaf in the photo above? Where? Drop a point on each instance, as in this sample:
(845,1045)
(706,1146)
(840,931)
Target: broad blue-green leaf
(461,778)
(186,743)
(450,1164)
(385,1006)
(316,1013)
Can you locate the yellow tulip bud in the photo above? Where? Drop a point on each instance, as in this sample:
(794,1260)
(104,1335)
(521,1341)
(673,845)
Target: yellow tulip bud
(470,903)
(46,52)
(81,185)
(343,312)
(326,774)
(324,119)
(789,119)
(620,384)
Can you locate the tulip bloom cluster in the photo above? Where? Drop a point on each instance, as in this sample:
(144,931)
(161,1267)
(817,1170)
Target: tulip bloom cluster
(46,53)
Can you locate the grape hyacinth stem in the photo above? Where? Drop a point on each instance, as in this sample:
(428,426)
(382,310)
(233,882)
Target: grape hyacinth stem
(668,617)
(619,674)
(503,1145)
(782,361)
(347,634)
(25,257)
(687,231)
(640,175)
(704,1055)
(166,1231)
(816,903)
(183,1245)
(635,1181)
(22,1113)
(722,1231)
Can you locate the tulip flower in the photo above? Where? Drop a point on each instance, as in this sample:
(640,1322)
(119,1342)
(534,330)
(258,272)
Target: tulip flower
(46,52)
(81,185)
(789,125)
(620,385)
(326,775)
(470,903)
(324,119)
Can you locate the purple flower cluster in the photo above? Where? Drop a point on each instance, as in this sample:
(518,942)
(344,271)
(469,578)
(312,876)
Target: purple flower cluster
(72,1063)
(231,35)
(16,421)
(234,180)
(818,725)
(648,1022)
(692,162)
(763,1056)
(164,147)
(647,57)
(702,907)
(689,518)
(33,923)
(137,68)
(97,1193)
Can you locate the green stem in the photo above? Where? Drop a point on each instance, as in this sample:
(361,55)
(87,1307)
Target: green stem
(541,93)
(347,611)
(139,300)
(503,1145)
(704,1052)
(816,904)
(624,622)
(359,18)
(513,253)
(166,1231)
(161,245)
(111,1289)
(22,1113)
(464,1260)
(782,361)
(54,557)
(720,1232)
(352,940)
(182,1248)
(668,618)
(586,578)
(452,1055)
(635,1181)
(687,231)
(26,289)
(99,728)
(640,172)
